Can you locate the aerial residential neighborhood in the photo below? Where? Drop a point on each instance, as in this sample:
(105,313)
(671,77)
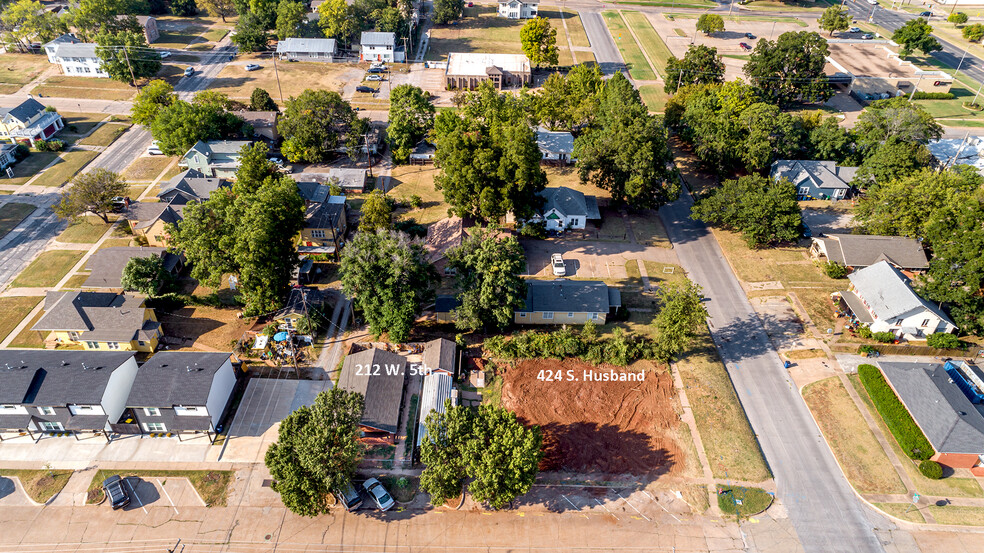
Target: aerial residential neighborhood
(401,276)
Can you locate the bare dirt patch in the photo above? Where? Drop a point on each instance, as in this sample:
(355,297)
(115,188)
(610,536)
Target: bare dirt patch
(598,427)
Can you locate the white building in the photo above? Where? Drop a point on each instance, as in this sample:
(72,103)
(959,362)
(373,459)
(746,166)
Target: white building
(307,49)
(76,58)
(556,146)
(517,9)
(380,47)
(565,208)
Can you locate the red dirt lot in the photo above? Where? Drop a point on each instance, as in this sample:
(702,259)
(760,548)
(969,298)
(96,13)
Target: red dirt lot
(602,427)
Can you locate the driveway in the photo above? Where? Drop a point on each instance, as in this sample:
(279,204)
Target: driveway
(828,221)
(268,401)
(590,259)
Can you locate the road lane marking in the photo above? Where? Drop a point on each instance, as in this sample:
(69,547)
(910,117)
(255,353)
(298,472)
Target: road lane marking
(633,506)
(606,508)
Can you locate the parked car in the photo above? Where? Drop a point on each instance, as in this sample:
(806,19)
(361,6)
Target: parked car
(165,54)
(252,66)
(378,65)
(154,149)
(380,69)
(744,46)
(367,89)
(558,265)
(854,30)
(471,4)
(379,494)
(116,492)
(807,233)
(749,36)
(926,14)
(349,497)
(867,36)
(189,71)
(374,77)
(277,161)
(873,2)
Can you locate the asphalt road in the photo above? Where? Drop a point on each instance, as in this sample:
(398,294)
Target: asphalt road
(822,507)
(606,53)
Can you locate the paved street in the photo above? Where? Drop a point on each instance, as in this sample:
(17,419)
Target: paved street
(605,51)
(821,504)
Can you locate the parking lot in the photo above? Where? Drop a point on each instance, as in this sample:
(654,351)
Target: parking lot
(828,221)
(590,259)
(160,492)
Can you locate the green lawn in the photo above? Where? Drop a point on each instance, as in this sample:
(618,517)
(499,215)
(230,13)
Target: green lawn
(75,281)
(752,500)
(85,230)
(654,97)
(409,180)
(13,310)
(763,18)
(649,39)
(904,511)
(670,3)
(78,124)
(42,484)
(575,29)
(85,88)
(17,70)
(29,166)
(47,269)
(62,171)
(787,5)
(105,135)
(633,57)
(11,215)
(479,30)
(146,168)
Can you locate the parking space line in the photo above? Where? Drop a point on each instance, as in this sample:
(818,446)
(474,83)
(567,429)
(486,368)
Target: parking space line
(606,508)
(661,505)
(633,507)
(133,492)
(169,500)
(578,509)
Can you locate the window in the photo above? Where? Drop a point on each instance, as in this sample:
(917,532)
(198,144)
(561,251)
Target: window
(46,411)
(317,233)
(152,411)
(155,427)
(113,345)
(83,408)
(804,190)
(141,343)
(570,315)
(925,322)
(547,315)
(91,345)
(594,316)
(73,335)
(7,407)
(51,426)
(523,315)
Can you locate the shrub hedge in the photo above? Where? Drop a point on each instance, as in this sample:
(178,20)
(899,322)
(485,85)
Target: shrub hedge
(883,337)
(933,96)
(944,340)
(909,437)
(620,349)
(931,469)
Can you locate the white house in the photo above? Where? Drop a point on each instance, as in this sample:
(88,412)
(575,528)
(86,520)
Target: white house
(307,49)
(556,147)
(565,208)
(76,58)
(517,9)
(880,297)
(29,121)
(380,47)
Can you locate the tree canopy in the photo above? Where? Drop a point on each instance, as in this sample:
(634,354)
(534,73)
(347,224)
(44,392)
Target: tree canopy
(570,101)
(158,94)
(92,192)
(377,212)
(411,117)
(126,56)
(260,100)
(317,451)
(890,160)
(317,124)
(25,21)
(701,64)
(178,124)
(218,8)
(763,210)
(916,34)
(539,41)
(709,23)
(835,18)
(790,69)
(681,318)
(146,275)
(388,278)
(251,33)
(895,117)
(338,19)
(92,17)
(291,19)
(446,11)
(487,273)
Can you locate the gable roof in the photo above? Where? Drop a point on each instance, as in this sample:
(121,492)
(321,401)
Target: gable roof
(174,378)
(440,354)
(371,38)
(64,39)
(578,296)
(887,293)
(857,250)
(75,50)
(222,147)
(98,316)
(191,185)
(50,378)
(570,203)
(107,264)
(148,213)
(299,301)
(383,392)
(328,214)
(319,45)
(259,119)
(555,142)
(24,111)
(952,423)
(349,178)
(442,236)
(820,174)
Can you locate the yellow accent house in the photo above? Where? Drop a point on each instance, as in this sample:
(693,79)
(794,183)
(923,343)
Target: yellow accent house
(99,321)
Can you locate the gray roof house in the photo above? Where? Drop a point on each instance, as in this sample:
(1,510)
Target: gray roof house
(107,264)
(565,208)
(150,220)
(350,179)
(563,301)
(442,237)
(859,250)
(29,121)
(264,123)
(100,320)
(880,297)
(951,422)
(380,376)
(180,392)
(378,46)
(325,225)
(441,354)
(815,179)
(57,391)
(307,49)
(555,147)
(215,158)
(191,185)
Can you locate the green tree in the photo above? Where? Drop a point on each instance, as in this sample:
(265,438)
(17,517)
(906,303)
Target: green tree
(180,125)
(254,168)
(891,160)
(764,211)
(338,19)
(391,20)
(958,18)
(446,11)
(539,41)
(895,118)
(184,8)
(916,34)
(377,213)
(701,64)
(291,17)
(145,275)
(151,99)
(207,236)
(769,135)
(218,8)
(489,160)
(93,17)
(126,56)
(569,101)
(316,124)
(625,151)
(790,69)
(681,318)
(411,117)
(25,21)
(835,18)
(251,34)
(487,274)
(830,141)
(260,100)
(265,12)
(317,451)
(710,23)
(440,451)
(388,278)
(974,32)
(91,192)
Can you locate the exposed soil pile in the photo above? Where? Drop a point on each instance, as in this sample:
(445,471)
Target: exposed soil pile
(605,427)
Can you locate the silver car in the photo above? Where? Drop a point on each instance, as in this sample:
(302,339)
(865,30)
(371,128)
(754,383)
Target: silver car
(379,494)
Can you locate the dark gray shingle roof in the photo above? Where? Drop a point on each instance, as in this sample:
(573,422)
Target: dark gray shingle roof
(107,264)
(300,301)
(191,186)
(821,174)
(23,111)
(570,202)
(578,296)
(98,316)
(383,392)
(440,354)
(175,378)
(858,250)
(61,378)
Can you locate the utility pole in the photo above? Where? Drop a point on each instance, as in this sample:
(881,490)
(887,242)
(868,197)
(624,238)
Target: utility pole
(679,80)
(915,88)
(957,72)
(369,155)
(277,73)
(127,58)
(974,103)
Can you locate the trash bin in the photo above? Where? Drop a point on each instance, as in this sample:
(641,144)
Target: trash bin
(787,364)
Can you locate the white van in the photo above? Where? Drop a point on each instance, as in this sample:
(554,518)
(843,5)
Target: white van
(154,149)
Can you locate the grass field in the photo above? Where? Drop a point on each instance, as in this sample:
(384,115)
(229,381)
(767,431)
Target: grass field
(78,124)
(479,30)
(858,452)
(670,3)
(650,41)
(28,338)
(787,5)
(17,70)
(947,487)
(904,511)
(84,88)
(147,168)
(41,485)
(728,439)
(11,215)
(409,180)
(85,230)
(105,135)
(75,281)
(29,166)
(763,18)
(633,57)
(47,269)
(957,514)
(654,97)
(62,171)
(753,500)
(575,29)
(648,229)
(13,310)
(211,485)
(295,78)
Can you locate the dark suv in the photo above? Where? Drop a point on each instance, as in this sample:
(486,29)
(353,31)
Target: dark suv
(349,497)
(116,492)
